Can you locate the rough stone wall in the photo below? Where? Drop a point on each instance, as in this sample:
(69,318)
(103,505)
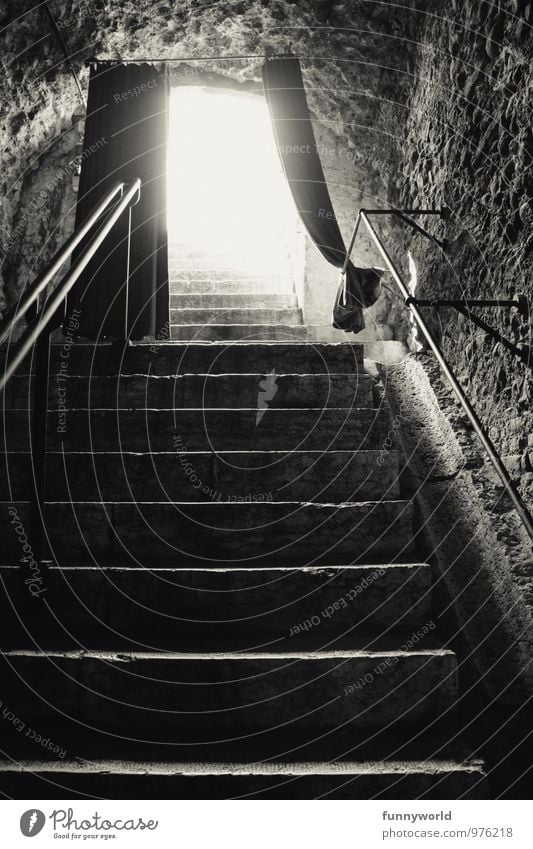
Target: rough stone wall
(478,547)
(44,217)
(357,91)
(470,147)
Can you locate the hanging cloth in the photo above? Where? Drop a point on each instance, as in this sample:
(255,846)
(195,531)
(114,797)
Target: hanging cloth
(125,137)
(298,152)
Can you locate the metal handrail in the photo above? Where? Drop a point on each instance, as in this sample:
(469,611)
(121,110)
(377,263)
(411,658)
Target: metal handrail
(30,296)
(129,192)
(412,303)
(41,325)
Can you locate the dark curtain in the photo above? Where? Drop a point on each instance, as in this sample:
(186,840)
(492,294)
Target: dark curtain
(126,137)
(299,155)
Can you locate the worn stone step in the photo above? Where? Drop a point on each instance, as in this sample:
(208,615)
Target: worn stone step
(204,430)
(210,391)
(427,779)
(203,609)
(217,265)
(179,270)
(228,285)
(233,534)
(257,300)
(252,332)
(442,739)
(202,696)
(171,358)
(249,316)
(333,476)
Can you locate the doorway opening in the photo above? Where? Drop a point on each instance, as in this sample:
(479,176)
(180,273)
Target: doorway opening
(230,211)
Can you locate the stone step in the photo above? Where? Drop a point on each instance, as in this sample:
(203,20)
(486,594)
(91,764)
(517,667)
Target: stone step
(178,271)
(249,316)
(243,332)
(333,476)
(427,779)
(246,300)
(204,430)
(189,534)
(196,391)
(188,697)
(231,255)
(234,430)
(246,357)
(203,609)
(441,740)
(171,358)
(229,286)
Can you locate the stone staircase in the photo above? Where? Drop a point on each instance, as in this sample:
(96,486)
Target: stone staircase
(233,605)
(209,302)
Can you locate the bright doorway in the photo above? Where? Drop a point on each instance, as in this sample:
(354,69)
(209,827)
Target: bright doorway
(229,206)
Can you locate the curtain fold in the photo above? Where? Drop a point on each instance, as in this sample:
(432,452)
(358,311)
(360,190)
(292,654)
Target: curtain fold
(125,137)
(298,152)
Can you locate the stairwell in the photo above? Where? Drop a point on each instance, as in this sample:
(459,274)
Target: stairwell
(233,605)
(221,296)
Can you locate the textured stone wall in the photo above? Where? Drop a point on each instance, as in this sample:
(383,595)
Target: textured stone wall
(357,91)
(44,215)
(470,147)
(480,552)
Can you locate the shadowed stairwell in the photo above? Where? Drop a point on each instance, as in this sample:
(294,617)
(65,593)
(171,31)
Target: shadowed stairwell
(278,561)
(234,605)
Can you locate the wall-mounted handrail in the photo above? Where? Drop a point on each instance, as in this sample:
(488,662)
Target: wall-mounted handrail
(412,304)
(399,213)
(129,195)
(104,216)
(31,295)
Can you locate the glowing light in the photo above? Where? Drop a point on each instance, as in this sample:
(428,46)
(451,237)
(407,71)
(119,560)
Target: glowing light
(226,189)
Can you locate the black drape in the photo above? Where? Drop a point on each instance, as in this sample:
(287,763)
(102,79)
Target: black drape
(126,137)
(299,155)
